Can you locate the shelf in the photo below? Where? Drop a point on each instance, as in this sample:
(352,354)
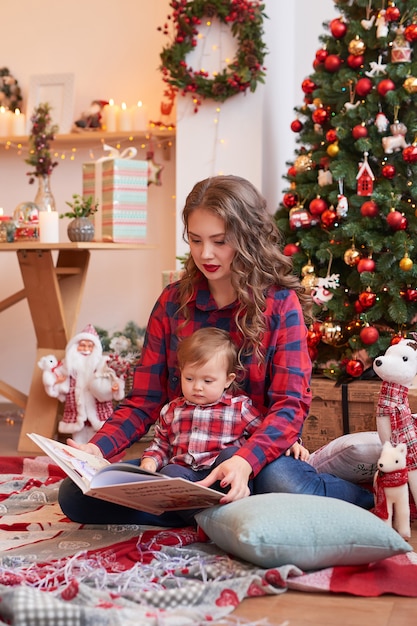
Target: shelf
(89,137)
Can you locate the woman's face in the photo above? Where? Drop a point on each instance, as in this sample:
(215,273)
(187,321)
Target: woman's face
(211,254)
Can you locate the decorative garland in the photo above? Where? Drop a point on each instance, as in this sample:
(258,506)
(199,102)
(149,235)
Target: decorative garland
(244,72)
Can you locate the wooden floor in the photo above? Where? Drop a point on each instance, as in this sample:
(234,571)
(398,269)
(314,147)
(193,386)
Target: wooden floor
(292,608)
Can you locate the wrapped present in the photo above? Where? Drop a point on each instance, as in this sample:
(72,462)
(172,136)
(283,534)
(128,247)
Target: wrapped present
(119,183)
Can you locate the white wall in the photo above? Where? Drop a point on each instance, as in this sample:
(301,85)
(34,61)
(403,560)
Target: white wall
(113,51)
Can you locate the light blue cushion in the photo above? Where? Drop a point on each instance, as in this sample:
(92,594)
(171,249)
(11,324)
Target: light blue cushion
(311,532)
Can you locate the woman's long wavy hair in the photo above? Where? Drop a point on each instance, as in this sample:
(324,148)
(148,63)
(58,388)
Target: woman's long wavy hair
(258,262)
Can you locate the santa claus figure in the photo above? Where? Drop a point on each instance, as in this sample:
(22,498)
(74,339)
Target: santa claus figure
(88,384)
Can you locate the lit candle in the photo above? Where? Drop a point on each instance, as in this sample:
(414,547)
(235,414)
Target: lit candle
(48,226)
(111,113)
(18,123)
(139,117)
(125,118)
(4,122)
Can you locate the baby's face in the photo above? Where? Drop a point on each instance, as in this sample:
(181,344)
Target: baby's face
(205,383)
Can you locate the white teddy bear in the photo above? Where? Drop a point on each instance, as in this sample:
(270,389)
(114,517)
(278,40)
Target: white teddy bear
(52,370)
(394,421)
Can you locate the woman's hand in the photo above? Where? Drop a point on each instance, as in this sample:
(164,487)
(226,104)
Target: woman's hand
(91,448)
(234,472)
(148,464)
(298,451)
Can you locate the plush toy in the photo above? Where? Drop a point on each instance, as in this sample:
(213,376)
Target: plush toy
(52,372)
(390,488)
(394,421)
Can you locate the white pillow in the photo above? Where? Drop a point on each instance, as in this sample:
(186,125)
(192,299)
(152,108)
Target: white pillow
(352,457)
(311,532)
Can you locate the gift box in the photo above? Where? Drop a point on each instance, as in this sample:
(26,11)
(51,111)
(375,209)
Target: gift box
(120,186)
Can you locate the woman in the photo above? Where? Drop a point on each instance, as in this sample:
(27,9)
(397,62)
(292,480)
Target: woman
(236,278)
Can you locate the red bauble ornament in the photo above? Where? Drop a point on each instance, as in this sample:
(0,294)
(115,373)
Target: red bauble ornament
(358,307)
(290,249)
(317,206)
(359,131)
(385,86)
(388,171)
(367,299)
(328,218)
(338,28)
(410,32)
(354,368)
(290,200)
(331,135)
(355,61)
(410,295)
(369,335)
(369,209)
(320,115)
(366,265)
(410,154)
(308,86)
(292,171)
(296,126)
(314,335)
(396,339)
(363,87)
(321,55)
(392,14)
(395,220)
(332,63)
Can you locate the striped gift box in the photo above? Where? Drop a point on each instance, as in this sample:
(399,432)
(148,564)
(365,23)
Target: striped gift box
(120,186)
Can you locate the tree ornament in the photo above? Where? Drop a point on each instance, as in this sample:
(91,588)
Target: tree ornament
(381,25)
(381,122)
(299,217)
(308,273)
(410,294)
(355,61)
(332,333)
(396,141)
(377,68)
(388,171)
(331,135)
(401,49)
(366,265)
(359,131)
(357,46)
(303,163)
(410,153)
(384,86)
(321,293)
(290,249)
(308,86)
(392,13)
(329,217)
(395,219)
(321,55)
(352,256)
(320,116)
(242,73)
(332,63)
(406,264)
(410,84)
(369,209)
(333,149)
(365,178)
(355,368)
(292,172)
(296,126)
(342,202)
(317,206)
(369,335)
(367,299)
(338,28)
(324,178)
(363,87)
(290,200)
(314,335)
(410,32)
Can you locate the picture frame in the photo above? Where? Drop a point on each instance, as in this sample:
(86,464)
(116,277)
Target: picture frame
(58,91)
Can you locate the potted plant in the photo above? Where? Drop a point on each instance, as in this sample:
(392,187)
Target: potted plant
(81,228)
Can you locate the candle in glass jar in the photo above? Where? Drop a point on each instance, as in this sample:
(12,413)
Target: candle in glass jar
(125,119)
(18,123)
(139,117)
(48,226)
(111,114)
(4,122)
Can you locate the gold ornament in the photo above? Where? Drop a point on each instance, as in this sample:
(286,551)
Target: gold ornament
(303,163)
(406,263)
(352,256)
(333,149)
(332,333)
(317,103)
(410,84)
(309,276)
(357,47)
(307,269)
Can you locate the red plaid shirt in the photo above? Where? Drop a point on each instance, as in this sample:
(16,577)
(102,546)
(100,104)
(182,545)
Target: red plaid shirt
(193,435)
(279,388)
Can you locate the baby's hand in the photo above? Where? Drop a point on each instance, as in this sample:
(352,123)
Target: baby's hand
(298,451)
(91,448)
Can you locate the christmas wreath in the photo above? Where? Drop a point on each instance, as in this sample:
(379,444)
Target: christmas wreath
(245,19)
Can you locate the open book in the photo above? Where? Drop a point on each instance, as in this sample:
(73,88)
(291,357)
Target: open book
(126,484)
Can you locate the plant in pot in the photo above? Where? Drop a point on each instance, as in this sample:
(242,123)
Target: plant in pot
(81,228)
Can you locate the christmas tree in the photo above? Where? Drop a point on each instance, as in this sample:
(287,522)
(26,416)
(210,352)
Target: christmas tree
(349,211)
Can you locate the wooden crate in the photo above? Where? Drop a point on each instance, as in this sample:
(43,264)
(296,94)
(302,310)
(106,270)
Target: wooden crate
(339,410)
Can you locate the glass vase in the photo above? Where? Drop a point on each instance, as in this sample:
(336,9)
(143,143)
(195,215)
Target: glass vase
(44,198)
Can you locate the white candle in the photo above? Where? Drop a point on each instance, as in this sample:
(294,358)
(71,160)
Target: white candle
(48,226)
(18,123)
(111,113)
(139,117)
(125,118)
(4,122)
